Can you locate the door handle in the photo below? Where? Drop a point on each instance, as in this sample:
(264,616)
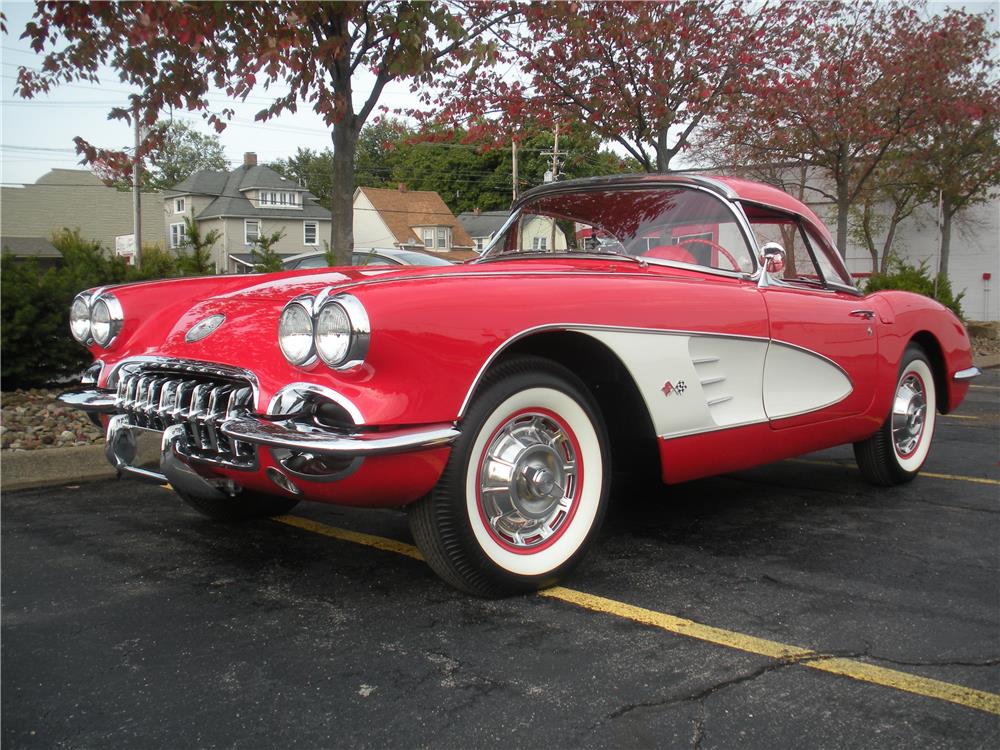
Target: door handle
(866,314)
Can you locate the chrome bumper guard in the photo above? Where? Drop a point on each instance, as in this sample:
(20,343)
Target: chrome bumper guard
(967,374)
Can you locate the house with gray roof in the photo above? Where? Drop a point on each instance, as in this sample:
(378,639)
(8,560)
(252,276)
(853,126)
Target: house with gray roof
(482,225)
(249,202)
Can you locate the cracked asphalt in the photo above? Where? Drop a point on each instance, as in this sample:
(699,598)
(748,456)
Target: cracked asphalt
(130,621)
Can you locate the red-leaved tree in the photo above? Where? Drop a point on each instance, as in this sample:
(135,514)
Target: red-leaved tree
(643,75)
(866,79)
(174,53)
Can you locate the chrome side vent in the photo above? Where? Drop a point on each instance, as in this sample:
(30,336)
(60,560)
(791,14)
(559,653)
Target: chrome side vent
(155,400)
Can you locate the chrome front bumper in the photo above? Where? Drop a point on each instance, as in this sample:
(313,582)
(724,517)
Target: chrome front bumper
(180,467)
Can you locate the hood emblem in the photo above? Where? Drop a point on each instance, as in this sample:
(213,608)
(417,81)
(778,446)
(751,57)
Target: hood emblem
(202,328)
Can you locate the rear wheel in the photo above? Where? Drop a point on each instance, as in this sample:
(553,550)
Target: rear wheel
(241,507)
(526,485)
(895,453)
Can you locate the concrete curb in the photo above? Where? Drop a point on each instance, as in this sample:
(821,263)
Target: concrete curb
(20,470)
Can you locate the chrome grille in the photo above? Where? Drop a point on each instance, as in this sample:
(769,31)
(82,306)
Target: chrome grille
(154,399)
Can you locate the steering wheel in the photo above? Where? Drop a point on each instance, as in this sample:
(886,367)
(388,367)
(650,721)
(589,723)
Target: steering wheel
(715,246)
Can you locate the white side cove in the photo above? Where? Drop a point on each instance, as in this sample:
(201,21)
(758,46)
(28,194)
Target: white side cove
(718,382)
(797,381)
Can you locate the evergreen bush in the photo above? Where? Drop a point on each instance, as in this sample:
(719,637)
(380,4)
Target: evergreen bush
(916,278)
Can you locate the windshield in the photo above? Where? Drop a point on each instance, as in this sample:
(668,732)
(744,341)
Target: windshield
(675,224)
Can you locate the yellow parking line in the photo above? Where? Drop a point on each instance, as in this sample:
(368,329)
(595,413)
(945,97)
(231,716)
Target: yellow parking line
(379,542)
(931,474)
(986,387)
(855,670)
(959,416)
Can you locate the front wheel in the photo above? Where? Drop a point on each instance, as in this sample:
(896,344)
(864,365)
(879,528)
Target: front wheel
(895,453)
(526,485)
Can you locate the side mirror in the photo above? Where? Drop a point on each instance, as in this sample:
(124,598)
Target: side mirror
(772,257)
(772,261)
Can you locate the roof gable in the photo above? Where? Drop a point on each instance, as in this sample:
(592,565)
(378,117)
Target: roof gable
(402,210)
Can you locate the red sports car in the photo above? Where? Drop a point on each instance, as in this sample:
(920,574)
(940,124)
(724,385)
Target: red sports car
(692,325)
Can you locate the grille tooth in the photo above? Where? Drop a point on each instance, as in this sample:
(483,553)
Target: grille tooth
(155,399)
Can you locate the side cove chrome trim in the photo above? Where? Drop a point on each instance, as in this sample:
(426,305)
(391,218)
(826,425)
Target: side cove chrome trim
(584,327)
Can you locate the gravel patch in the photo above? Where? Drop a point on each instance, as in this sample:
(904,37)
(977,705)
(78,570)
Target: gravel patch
(33,419)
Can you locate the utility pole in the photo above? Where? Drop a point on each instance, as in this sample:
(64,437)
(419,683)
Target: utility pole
(136,196)
(552,175)
(513,166)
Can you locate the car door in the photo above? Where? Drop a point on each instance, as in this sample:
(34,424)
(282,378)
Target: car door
(822,357)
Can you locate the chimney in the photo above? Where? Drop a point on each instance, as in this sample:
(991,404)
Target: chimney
(402,187)
(249,159)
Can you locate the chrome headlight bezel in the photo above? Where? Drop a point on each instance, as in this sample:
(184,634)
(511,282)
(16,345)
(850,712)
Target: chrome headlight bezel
(359,336)
(298,306)
(81,306)
(357,330)
(115,319)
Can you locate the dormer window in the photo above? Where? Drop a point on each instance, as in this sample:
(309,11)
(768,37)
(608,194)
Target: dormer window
(279,199)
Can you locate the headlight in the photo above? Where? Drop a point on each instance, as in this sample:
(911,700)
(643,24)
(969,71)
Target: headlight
(295,333)
(333,334)
(343,332)
(106,319)
(79,318)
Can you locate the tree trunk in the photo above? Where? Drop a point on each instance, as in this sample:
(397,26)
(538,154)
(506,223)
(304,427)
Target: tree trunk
(843,206)
(345,144)
(947,213)
(662,152)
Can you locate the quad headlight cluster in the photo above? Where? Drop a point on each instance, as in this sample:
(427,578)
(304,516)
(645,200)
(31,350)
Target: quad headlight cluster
(333,328)
(96,316)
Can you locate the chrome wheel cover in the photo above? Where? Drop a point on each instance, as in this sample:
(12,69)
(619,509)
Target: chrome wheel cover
(909,414)
(529,480)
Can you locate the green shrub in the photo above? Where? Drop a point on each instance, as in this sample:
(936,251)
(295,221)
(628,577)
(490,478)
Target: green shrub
(910,278)
(34,306)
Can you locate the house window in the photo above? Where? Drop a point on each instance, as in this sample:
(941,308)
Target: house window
(539,243)
(176,235)
(442,238)
(251,231)
(178,205)
(283,197)
(479,243)
(309,232)
(429,238)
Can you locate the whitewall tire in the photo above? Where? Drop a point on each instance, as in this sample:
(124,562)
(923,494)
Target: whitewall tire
(895,453)
(525,488)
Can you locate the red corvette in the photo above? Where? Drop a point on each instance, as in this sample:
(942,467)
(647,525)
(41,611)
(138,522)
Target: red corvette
(693,325)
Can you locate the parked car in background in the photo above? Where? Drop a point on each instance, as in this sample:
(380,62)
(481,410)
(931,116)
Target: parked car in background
(685,324)
(380,257)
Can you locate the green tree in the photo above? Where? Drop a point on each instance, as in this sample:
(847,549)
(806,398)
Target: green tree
(177,152)
(194,257)
(263,255)
(311,169)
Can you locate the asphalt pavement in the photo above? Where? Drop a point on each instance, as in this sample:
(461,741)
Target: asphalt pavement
(130,621)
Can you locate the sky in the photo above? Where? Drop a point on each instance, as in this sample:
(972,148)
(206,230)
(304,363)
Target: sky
(36,135)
